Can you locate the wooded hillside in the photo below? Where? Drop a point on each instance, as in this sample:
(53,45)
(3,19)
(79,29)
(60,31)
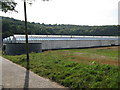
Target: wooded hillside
(12,26)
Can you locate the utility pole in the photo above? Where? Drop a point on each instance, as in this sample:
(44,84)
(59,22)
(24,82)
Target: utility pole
(26,35)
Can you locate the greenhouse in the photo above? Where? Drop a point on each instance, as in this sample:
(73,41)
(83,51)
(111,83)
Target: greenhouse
(64,41)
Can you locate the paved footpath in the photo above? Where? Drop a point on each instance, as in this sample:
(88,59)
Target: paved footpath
(15,76)
(0,72)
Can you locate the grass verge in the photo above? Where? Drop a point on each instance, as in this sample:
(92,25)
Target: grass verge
(60,66)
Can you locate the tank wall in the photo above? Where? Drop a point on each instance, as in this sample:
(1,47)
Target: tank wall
(20,48)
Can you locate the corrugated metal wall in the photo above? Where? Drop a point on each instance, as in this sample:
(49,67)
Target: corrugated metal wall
(60,44)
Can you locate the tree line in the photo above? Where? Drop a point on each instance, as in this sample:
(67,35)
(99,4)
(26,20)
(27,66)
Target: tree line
(12,26)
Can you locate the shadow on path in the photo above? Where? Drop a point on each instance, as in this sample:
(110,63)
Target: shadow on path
(26,83)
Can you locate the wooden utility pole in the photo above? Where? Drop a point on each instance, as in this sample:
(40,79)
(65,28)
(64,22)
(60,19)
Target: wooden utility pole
(26,35)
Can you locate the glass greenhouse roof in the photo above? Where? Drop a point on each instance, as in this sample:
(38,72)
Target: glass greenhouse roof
(63,38)
(18,38)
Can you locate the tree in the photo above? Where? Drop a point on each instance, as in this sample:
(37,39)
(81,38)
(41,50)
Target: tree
(7,5)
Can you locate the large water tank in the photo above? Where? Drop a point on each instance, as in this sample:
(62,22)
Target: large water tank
(20,48)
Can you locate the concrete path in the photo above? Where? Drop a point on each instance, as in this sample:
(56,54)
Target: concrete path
(0,72)
(15,76)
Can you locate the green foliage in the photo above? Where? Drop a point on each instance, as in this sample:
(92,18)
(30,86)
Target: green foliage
(53,65)
(12,26)
(7,5)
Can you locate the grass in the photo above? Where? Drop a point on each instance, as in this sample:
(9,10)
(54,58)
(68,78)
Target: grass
(0,52)
(75,68)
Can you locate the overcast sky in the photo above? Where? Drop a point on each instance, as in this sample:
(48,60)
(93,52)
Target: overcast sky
(78,12)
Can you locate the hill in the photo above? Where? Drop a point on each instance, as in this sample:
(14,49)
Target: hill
(12,26)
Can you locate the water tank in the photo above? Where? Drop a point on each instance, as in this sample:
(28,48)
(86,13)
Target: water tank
(20,48)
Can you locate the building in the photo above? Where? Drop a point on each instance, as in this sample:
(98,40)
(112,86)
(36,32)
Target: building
(64,41)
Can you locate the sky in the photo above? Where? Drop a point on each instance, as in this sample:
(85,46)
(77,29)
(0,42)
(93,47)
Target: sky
(77,12)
